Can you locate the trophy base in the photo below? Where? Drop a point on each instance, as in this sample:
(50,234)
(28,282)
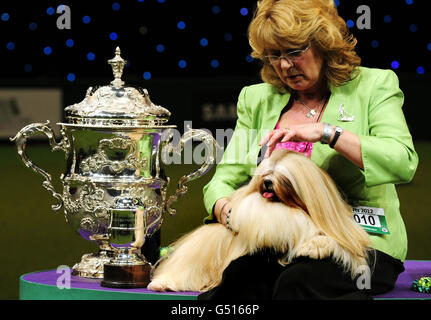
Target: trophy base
(91,264)
(126,276)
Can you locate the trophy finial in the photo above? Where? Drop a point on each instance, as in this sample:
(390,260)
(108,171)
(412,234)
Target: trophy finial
(117,64)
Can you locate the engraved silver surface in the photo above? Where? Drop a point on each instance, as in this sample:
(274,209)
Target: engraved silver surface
(114,188)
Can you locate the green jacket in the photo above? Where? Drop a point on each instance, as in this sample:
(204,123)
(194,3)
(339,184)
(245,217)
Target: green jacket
(375,100)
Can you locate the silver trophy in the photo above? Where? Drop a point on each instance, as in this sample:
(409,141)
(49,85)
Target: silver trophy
(114,188)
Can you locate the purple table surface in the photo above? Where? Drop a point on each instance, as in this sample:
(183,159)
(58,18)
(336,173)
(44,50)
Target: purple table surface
(50,277)
(414,269)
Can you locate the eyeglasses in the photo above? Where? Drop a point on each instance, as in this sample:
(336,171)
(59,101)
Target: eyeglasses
(291,56)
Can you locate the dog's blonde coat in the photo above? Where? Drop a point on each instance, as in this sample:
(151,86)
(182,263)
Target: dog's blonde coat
(309,218)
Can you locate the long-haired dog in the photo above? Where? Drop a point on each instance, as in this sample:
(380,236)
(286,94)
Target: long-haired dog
(291,206)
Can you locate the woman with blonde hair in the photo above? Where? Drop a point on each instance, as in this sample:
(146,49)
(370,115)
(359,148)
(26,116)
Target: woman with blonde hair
(316,99)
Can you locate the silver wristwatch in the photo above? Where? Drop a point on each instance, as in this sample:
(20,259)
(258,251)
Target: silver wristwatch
(327,133)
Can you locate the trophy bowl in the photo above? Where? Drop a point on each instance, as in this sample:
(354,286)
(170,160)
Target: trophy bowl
(115,188)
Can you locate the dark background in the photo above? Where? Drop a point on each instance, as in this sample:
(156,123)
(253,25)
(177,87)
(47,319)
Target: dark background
(204,92)
(399,32)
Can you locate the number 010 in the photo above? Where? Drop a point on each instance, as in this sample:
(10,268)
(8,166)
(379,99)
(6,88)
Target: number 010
(364,219)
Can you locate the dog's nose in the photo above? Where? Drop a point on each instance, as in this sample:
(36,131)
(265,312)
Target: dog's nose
(268,184)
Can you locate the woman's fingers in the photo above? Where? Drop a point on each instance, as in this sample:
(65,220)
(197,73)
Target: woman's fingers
(273,138)
(288,136)
(276,137)
(307,132)
(265,139)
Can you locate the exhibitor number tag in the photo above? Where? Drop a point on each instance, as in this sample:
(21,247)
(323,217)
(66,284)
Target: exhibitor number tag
(373,220)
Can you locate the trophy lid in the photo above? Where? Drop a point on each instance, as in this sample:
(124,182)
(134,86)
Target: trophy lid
(116,104)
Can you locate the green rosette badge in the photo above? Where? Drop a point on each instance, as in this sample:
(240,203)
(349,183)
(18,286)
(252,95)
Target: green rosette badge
(422,285)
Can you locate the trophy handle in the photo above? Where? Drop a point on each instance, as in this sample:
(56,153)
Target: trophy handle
(21,143)
(209,142)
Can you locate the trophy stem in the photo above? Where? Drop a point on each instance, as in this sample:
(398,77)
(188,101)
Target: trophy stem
(129,269)
(91,264)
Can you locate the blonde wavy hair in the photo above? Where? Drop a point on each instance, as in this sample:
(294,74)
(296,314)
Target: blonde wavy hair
(282,24)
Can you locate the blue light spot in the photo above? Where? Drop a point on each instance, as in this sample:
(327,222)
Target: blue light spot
(216,9)
(71,77)
(160,48)
(204,42)
(249,58)
(32,26)
(228,37)
(140,0)
(337,3)
(181,25)
(47,50)
(395,64)
(429,46)
(387,19)
(420,70)
(50,11)
(10,46)
(147,75)
(375,44)
(413,28)
(113,36)
(70,43)
(161,1)
(86,19)
(350,23)
(182,64)
(5,16)
(115,6)
(243,11)
(409,1)
(91,56)
(28,67)
(215,63)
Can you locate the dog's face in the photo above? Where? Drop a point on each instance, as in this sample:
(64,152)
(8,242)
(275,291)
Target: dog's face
(275,183)
(272,184)
(268,211)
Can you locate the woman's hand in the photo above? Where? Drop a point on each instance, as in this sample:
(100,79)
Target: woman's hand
(348,144)
(221,208)
(310,132)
